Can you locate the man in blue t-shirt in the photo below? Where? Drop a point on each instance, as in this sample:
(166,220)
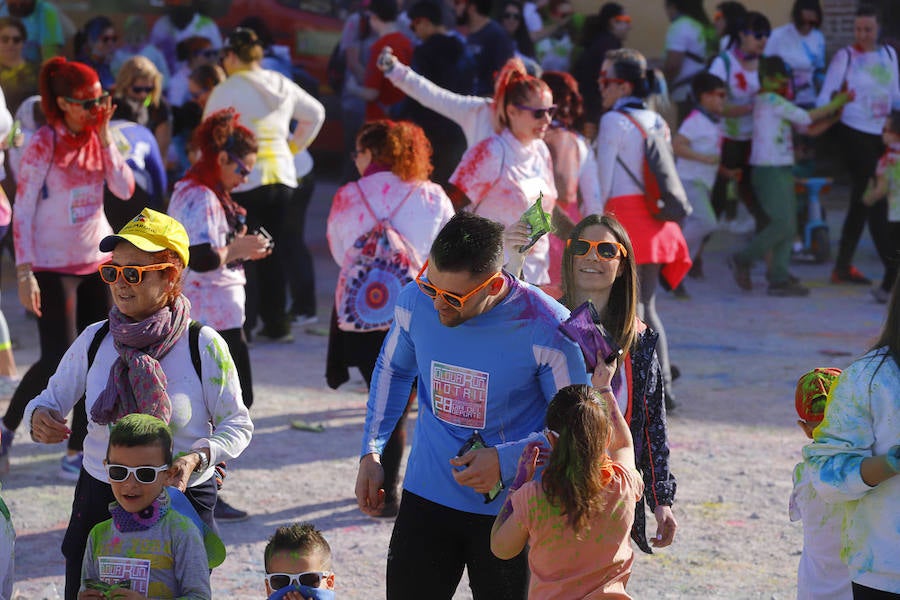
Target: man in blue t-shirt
(488,43)
(487,354)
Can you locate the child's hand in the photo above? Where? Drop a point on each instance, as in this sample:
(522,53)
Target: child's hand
(735,174)
(603,372)
(711,159)
(527,464)
(122,594)
(91,595)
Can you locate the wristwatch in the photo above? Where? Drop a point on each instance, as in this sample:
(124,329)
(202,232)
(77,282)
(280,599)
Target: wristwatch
(204,462)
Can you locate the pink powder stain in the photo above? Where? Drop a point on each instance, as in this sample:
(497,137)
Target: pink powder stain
(468,171)
(736,523)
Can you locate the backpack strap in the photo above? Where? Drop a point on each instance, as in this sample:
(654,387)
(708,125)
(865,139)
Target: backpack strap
(194,344)
(193,341)
(393,212)
(619,160)
(95,343)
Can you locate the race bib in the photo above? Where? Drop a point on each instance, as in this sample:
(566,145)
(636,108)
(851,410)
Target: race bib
(880,106)
(117,568)
(84,202)
(459,395)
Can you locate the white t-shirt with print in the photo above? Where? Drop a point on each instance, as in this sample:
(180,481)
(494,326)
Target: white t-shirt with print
(685,35)
(773,116)
(217,296)
(872,77)
(804,54)
(705,137)
(743,86)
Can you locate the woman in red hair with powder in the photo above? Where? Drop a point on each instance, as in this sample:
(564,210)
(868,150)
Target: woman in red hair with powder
(57,227)
(501,176)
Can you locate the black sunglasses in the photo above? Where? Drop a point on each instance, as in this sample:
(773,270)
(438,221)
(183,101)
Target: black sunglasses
(538,113)
(512,15)
(760,35)
(90,103)
(240,168)
(142,89)
(119,473)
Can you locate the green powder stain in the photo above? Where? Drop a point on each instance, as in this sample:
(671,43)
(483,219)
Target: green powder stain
(223,361)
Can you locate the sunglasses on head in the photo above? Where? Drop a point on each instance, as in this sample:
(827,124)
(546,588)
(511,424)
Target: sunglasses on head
(538,113)
(454,300)
(132,274)
(240,168)
(311,579)
(142,89)
(760,35)
(90,103)
(119,473)
(512,15)
(15,39)
(605,250)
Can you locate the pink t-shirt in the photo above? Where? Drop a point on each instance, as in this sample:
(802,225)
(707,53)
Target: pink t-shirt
(503,177)
(598,565)
(58,220)
(217,296)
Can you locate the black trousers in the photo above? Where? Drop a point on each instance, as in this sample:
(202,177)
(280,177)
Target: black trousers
(430,546)
(861,592)
(861,152)
(69,303)
(736,155)
(91,506)
(237,346)
(299,271)
(266,287)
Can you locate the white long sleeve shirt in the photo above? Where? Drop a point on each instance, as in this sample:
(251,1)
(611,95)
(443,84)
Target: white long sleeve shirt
(618,136)
(267,101)
(195,405)
(474,114)
(872,77)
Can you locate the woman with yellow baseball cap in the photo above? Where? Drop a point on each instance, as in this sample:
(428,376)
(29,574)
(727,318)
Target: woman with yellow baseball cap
(143,360)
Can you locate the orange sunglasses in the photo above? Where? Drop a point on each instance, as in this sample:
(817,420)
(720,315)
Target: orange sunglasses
(454,300)
(605,250)
(133,274)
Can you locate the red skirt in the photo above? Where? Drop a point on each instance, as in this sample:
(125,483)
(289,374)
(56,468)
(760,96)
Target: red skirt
(654,241)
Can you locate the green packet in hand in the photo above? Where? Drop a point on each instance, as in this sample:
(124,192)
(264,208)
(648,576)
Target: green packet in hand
(538,220)
(107,588)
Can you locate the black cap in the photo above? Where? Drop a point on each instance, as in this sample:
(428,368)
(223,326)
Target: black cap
(240,38)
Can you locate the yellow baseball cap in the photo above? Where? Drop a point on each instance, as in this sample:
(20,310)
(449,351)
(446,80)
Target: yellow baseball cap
(152,231)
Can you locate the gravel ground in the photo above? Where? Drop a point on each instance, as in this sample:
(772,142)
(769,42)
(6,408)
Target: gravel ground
(733,439)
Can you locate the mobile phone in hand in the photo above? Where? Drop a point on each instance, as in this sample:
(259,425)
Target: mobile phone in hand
(475,442)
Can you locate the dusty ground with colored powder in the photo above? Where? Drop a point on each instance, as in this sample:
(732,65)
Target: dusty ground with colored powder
(733,438)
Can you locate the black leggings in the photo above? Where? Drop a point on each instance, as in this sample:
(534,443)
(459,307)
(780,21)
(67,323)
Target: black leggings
(861,592)
(430,546)
(861,152)
(91,507)
(69,303)
(266,287)
(299,270)
(237,346)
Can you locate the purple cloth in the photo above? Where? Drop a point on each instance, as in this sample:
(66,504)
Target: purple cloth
(136,382)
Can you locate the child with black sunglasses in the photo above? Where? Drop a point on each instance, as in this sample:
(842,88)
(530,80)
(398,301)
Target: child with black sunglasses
(149,548)
(298,564)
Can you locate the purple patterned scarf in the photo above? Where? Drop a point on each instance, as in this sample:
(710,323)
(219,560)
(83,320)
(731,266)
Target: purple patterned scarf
(136,382)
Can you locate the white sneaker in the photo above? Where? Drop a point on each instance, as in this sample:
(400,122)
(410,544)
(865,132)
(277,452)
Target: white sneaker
(303,320)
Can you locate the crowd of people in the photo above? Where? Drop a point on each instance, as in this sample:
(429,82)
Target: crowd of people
(514,203)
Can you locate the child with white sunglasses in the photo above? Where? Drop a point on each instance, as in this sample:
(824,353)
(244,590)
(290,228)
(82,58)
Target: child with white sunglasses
(298,564)
(149,548)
